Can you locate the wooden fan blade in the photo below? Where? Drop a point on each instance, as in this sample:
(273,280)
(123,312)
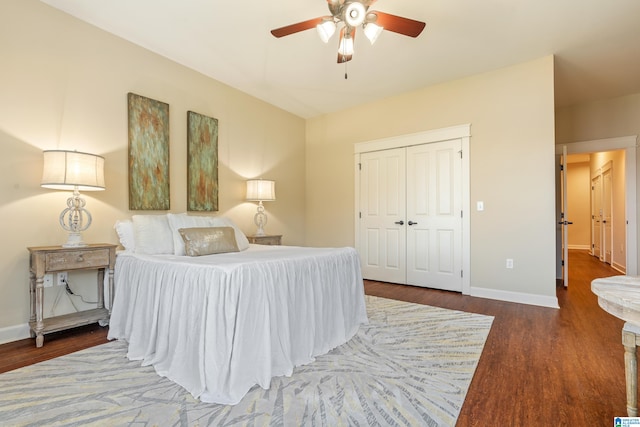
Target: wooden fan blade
(296,28)
(398,24)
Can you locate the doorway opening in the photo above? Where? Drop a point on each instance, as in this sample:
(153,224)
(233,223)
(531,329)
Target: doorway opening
(596,203)
(629,223)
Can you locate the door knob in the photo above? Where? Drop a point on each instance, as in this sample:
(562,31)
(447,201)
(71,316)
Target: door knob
(412,223)
(399,222)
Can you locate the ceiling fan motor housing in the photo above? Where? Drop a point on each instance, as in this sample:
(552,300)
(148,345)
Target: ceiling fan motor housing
(354,13)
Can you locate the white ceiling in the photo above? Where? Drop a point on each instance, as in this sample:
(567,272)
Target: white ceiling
(596,43)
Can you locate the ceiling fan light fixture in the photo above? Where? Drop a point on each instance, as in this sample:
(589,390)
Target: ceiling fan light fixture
(354,14)
(346,46)
(372,31)
(326,29)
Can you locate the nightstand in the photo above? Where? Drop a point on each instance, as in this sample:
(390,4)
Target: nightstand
(275,239)
(51,259)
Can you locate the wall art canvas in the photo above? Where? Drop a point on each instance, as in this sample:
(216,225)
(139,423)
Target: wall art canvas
(148,153)
(202,162)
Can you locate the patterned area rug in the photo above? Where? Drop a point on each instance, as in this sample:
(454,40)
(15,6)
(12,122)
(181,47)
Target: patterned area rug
(411,365)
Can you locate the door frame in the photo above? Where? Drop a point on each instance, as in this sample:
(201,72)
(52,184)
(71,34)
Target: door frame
(628,144)
(607,206)
(596,217)
(462,132)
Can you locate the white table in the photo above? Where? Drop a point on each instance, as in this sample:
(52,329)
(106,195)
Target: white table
(620,296)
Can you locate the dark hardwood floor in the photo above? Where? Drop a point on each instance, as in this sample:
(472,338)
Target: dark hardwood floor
(540,366)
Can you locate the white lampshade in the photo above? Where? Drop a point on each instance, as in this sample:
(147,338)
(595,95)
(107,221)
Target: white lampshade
(372,31)
(261,190)
(346,46)
(66,170)
(326,29)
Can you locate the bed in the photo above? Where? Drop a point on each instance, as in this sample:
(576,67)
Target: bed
(219,324)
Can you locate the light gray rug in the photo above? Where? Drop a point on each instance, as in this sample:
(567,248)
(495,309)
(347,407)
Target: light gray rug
(411,365)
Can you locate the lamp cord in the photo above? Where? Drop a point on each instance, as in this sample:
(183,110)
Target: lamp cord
(70,292)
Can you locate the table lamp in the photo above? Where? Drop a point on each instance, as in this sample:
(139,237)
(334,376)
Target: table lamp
(260,190)
(72,170)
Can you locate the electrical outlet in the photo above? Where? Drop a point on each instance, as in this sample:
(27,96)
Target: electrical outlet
(509,263)
(48,280)
(61,278)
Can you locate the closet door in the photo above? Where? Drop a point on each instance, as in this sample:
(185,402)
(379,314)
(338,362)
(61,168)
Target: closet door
(434,208)
(383,213)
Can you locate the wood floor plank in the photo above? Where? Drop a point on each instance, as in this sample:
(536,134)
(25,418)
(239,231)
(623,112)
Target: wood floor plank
(540,366)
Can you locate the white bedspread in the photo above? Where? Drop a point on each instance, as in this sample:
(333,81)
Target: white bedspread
(219,324)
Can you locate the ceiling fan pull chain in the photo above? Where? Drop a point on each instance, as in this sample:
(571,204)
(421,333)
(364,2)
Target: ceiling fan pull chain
(345,71)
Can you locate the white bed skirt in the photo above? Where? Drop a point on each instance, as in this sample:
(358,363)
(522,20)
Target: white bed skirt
(220,324)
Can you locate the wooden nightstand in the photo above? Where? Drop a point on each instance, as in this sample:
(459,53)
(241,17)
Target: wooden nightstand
(275,239)
(50,259)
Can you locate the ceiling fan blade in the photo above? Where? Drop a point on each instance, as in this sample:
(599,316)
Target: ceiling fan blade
(296,28)
(398,24)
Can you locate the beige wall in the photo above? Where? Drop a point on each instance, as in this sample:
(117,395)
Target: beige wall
(64,84)
(599,120)
(511,116)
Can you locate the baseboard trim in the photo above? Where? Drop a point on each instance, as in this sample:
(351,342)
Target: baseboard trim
(580,247)
(621,268)
(14,333)
(517,297)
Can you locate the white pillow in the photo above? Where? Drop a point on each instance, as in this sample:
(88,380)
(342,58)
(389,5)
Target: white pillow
(124,229)
(241,239)
(183,220)
(152,234)
(178,221)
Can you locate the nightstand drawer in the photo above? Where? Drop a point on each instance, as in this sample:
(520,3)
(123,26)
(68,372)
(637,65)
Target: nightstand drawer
(70,260)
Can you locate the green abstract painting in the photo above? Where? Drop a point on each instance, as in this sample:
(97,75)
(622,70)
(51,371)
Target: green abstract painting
(202,162)
(148,154)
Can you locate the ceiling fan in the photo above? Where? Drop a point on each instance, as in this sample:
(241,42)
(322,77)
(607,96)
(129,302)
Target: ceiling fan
(352,14)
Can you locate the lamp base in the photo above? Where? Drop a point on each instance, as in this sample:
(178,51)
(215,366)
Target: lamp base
(73,218)
(74,241)
(260,219)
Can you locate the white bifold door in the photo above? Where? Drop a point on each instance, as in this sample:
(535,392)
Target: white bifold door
(411,215)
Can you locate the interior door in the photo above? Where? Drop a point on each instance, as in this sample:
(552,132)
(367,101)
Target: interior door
(607,223)
(383,213)
(434,223)
(563,222)
(596,216)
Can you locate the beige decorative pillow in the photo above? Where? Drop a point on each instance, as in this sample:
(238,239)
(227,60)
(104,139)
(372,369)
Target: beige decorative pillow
(208,240)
